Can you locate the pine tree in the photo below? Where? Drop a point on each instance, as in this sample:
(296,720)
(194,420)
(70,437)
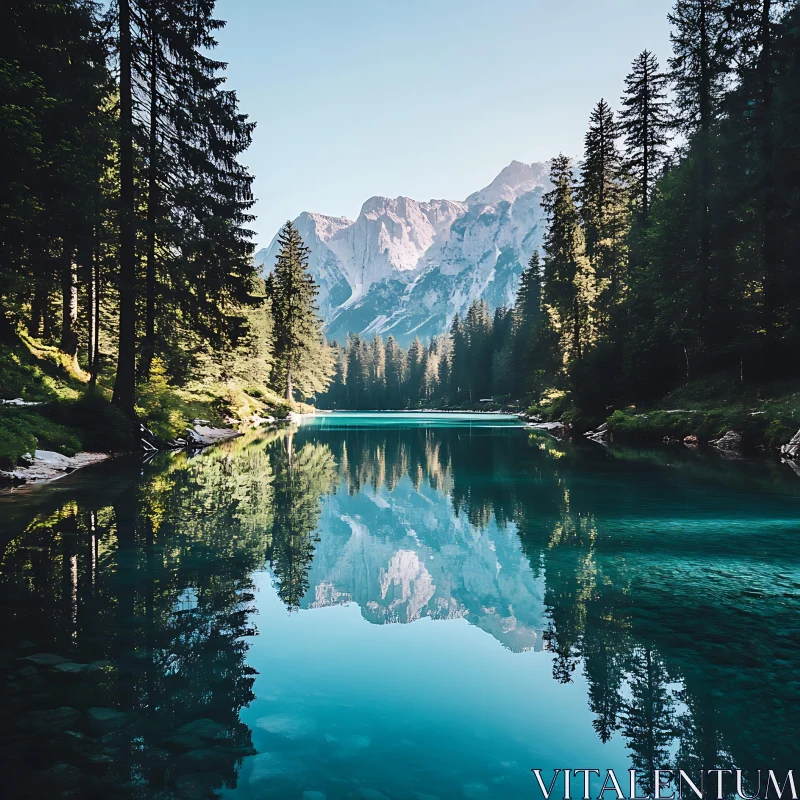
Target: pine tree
(415,357)
(459,361)
(698,67)
(751,140)
(378,372)
(445,363)
(395,373)
(604,212)
(526,321)
(292,294)
(478,329)
(645,123)
(566,279)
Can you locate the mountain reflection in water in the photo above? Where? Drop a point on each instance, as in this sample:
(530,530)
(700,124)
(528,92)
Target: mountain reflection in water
(144,655)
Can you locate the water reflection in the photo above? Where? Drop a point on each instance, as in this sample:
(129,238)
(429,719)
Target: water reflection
(671,588)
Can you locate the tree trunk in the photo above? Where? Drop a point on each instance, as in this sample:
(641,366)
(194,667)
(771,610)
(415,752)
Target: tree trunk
(90,310)
(38,311)
(770,227)
(96,320)
(703,294)
(289,386)
(125,382)
(149,348)
(69,304)
(47,316)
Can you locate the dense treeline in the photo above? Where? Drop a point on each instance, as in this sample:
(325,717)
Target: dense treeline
(671,248)
(124,207)
(662,266)
(474,362)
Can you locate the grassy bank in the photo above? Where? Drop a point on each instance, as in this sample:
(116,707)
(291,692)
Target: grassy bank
(70,416)
(766,416)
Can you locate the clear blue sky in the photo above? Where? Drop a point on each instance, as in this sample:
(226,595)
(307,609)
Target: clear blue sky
(424,98)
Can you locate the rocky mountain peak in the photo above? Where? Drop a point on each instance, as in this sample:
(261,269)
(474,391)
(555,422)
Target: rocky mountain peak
(406,266)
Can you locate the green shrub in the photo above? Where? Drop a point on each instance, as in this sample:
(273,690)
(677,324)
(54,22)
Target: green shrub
(102,427)
(159,406)
(23,430)
(281,410)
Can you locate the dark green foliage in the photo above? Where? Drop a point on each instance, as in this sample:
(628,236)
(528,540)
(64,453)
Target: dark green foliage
(24,430)
(645,125)
(121,189)
(89,423)
(700,277)
(102,426)
(603,200)
(302,360)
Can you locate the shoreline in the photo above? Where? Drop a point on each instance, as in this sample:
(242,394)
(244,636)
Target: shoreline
(47,466)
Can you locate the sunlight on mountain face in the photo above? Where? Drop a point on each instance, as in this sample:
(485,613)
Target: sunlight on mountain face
(407,267)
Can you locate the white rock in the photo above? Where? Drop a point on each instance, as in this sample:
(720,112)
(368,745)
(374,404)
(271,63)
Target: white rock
(792,449)
(731,442)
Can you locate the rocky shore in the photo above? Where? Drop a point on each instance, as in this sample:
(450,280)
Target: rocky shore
(730,445)
(46,465)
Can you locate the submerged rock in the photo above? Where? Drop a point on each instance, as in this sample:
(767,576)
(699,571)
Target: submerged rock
(47,465)
(195,735)
(103,720)
(47,659)
(70,668)
(63,776)
(198,785)
(731,442)
(55,719)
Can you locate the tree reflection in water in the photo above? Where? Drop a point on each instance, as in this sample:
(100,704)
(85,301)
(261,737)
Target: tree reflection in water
(126,595)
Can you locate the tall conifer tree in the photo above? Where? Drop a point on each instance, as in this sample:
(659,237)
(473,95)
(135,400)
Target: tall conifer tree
(645,124)
(604,211)
(292,293)
(565,272)
(395,373)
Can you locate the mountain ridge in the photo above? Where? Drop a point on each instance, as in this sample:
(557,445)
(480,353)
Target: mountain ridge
(406,267)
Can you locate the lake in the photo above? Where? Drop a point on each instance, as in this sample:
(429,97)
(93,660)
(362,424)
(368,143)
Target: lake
(396,606)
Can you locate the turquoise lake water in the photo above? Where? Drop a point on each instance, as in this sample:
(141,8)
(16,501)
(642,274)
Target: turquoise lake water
(396,606)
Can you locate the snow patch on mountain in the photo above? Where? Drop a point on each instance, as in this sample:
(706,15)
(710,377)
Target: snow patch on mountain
(407,267)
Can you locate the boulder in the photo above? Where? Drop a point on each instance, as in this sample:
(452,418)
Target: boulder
(557,429)
(203,435)
(103,720)
(70,668)
(731,442)
(47,659)
(600,435)
(791,451)
(53,460)
(18,401)
(55,719)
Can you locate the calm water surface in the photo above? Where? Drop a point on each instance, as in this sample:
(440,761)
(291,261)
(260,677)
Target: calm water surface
(395,606)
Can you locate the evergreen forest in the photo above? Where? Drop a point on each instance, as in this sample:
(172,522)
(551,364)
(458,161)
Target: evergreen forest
(668,275)
(667,278)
